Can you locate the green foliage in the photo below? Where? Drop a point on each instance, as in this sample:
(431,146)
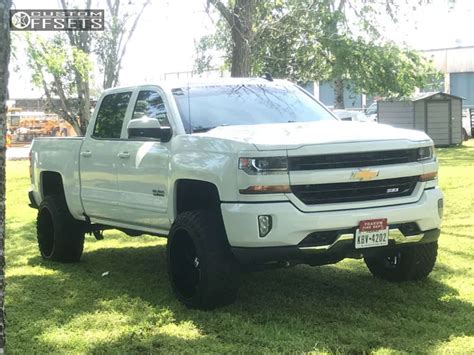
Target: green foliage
(211,45)
(81,62)
(383,69)
(54,64)
(111,44)
(305,40)
(71,308)
(106,47)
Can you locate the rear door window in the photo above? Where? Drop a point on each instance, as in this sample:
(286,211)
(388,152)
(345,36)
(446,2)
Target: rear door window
(108,124)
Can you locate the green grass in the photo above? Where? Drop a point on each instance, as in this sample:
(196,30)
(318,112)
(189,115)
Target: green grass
(73,309)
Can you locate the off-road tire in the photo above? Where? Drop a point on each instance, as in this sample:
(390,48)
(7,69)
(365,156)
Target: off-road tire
(410,263)
(60,236)
(203,272)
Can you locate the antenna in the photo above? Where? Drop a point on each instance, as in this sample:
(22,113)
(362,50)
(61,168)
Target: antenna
(267,76)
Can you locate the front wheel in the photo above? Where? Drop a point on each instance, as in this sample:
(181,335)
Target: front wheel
(201,267)
(407,264)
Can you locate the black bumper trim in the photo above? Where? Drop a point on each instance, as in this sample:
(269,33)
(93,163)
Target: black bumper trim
(293,254)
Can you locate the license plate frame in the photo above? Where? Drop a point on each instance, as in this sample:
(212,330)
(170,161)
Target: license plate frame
(372,233)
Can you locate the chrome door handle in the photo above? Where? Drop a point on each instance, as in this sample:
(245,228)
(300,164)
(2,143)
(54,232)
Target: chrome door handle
(124,155)
(86,154)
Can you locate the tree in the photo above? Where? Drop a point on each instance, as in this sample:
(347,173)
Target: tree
(62,65)
(111,44)
(329,40)
(62,71)
(239,18)
(4,60)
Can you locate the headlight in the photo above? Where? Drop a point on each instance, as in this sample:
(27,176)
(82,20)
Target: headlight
(425,153)
(268,165)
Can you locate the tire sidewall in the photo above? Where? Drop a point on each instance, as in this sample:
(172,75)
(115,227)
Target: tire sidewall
(49,206)
(201,254)
(68,237)
(218,268)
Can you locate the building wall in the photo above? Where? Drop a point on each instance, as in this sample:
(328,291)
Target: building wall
(419,115)
(456,112)
(462,84)
(326,96)
(438,121)
(452,60)
(458,66)
(397,113)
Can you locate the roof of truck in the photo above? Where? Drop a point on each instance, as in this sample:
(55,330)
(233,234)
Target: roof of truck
(180,83)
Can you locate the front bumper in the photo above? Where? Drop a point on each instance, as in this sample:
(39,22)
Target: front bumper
(328,254)
(291,226)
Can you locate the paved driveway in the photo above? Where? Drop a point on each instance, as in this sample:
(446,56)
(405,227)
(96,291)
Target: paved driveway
(18,153)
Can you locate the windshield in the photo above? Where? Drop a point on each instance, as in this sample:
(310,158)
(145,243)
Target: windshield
(205,107)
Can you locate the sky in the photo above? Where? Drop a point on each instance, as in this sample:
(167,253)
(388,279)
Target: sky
(165,37)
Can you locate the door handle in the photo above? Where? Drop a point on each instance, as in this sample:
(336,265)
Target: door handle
(86,154)
(124,155)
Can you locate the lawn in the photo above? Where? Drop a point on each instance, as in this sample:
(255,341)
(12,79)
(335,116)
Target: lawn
(336,309)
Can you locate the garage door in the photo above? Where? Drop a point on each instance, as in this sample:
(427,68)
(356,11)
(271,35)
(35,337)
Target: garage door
(439,122)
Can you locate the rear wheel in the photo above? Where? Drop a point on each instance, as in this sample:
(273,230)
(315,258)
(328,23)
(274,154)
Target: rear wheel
(60,236)
(407,264)
(202,270)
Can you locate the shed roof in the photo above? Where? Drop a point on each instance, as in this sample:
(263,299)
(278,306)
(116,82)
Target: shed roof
(428,95)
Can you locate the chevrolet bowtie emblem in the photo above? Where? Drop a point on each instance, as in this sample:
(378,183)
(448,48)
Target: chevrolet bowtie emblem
(364,175)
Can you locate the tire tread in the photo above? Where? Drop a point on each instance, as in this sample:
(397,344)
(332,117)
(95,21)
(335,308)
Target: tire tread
(416,263)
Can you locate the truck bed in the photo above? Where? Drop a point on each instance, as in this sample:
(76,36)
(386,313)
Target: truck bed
(61,155)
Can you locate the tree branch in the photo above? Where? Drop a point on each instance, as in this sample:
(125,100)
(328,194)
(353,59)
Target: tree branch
(225,12)
(130,34)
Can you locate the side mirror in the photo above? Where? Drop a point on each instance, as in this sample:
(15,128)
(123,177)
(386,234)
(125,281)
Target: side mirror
(147,127)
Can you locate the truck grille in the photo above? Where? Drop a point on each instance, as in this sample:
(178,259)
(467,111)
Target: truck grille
(355,191)
(352,160)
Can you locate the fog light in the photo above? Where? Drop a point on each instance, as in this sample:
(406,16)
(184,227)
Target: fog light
(440,207)
(264,225)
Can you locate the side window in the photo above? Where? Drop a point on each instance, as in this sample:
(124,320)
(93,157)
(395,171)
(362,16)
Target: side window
(111,115)
(150,104)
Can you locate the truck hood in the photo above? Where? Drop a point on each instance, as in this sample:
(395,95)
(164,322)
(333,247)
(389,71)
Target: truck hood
(295,135)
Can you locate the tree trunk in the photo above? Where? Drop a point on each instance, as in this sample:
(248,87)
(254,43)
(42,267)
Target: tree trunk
(242,36)
(240,55)
(338,93)
(83,94)
(240,21)
(4,60)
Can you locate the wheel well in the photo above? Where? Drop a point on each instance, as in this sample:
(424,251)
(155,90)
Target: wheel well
(51,183)
(195,195)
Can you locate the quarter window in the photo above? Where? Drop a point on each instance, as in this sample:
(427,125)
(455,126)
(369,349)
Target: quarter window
(150,104)
(111,114)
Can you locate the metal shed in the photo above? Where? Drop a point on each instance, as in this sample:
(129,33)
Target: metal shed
(437,113)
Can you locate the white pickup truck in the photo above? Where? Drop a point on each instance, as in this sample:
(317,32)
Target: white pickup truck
(239,174)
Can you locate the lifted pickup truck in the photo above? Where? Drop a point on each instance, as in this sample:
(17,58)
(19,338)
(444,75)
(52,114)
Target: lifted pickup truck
(239,174)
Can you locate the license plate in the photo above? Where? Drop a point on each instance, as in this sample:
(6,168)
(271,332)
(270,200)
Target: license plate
(372,233)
